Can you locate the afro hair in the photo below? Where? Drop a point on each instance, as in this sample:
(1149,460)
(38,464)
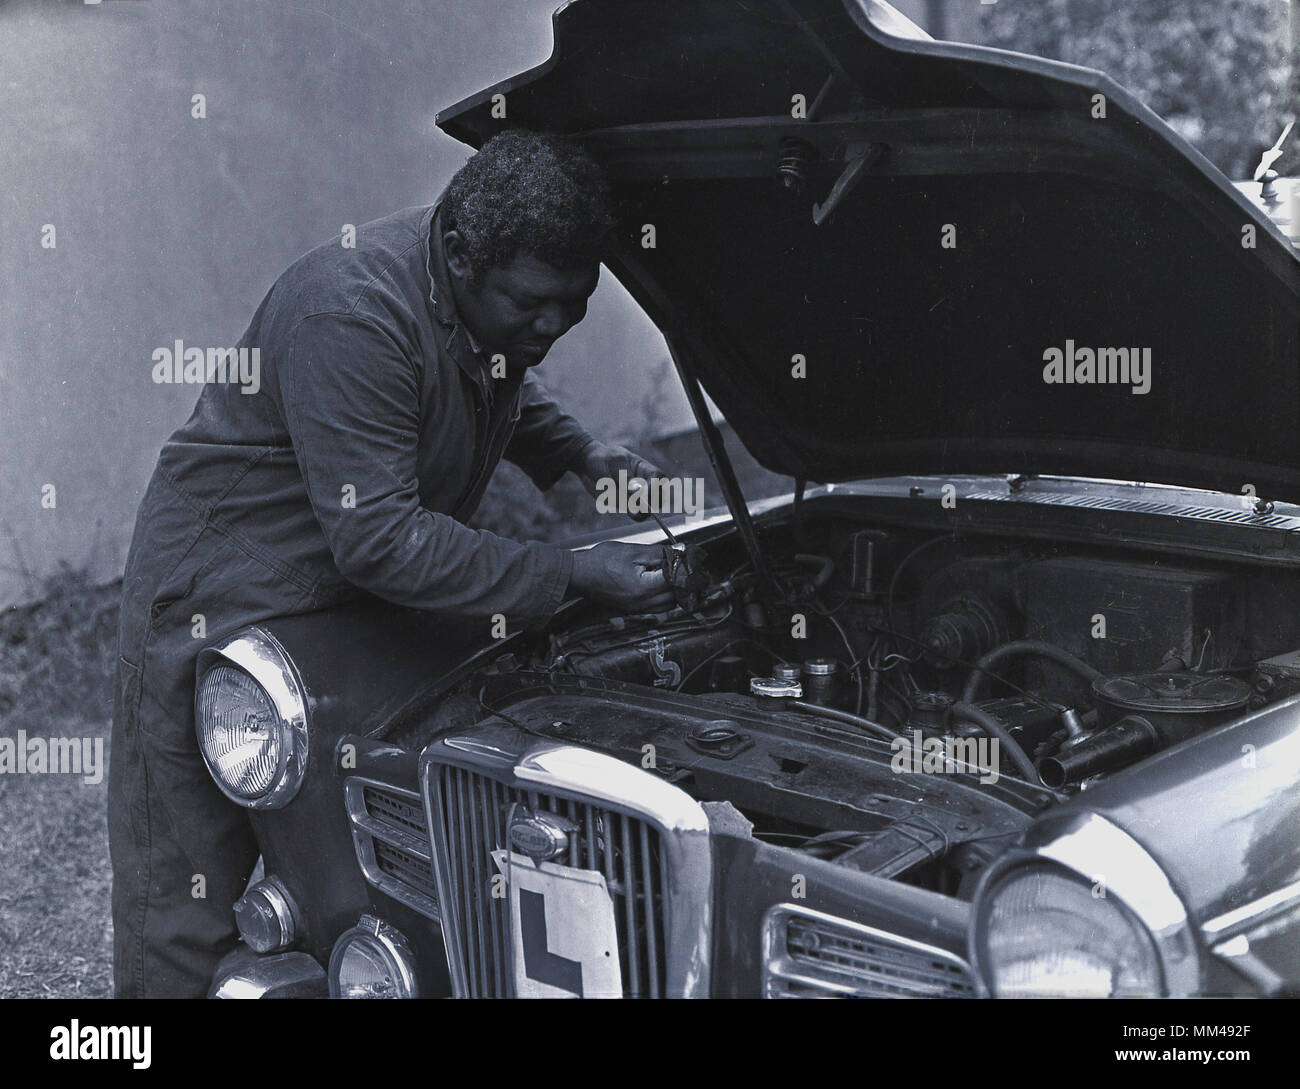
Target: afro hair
(529,194)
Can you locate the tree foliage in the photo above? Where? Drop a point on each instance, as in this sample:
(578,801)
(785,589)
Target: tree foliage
(1222,73)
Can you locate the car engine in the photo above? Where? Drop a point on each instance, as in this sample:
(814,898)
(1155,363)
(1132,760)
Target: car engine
(804,694)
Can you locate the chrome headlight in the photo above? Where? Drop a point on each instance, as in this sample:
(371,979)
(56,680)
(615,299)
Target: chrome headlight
(372,960)
(1081,909)
(1044,932)
(250,714)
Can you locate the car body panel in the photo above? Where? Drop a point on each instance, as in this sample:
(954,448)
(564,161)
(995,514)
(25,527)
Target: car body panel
(1240,782)
(920,357)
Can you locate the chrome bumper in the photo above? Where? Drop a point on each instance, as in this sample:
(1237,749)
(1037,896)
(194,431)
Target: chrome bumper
(244,974)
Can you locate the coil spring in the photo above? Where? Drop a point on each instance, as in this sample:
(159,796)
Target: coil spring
(792,165)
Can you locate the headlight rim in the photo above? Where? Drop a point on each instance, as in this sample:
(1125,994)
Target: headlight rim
(1024,862)
(258,653)
(1080,844)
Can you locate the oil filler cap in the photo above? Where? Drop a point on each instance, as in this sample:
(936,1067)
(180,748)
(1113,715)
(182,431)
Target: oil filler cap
(775,688)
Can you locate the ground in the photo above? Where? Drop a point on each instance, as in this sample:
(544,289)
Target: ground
(56,681)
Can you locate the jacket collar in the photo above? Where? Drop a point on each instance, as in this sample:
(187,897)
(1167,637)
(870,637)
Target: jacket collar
(460,341)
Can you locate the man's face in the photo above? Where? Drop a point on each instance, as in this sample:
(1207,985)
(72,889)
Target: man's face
(520,308)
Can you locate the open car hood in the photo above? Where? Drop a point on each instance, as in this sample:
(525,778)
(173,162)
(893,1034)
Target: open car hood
(784,243)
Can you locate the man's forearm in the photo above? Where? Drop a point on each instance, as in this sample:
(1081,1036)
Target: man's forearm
(440,565)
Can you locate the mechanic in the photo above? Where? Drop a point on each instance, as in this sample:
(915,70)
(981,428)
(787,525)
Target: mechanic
(396,373)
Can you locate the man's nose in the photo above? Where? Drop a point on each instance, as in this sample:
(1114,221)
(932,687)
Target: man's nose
(552,323)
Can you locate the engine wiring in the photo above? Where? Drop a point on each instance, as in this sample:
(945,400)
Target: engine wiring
(579,644)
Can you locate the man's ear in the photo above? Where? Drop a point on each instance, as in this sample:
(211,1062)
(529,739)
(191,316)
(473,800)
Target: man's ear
(458,263)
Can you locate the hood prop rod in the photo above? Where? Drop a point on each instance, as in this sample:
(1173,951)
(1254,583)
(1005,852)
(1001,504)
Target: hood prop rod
(722,467)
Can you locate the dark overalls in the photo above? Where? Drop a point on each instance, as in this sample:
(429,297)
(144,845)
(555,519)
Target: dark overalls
(350,470)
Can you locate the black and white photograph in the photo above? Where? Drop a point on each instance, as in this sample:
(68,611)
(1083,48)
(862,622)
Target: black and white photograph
(652,499)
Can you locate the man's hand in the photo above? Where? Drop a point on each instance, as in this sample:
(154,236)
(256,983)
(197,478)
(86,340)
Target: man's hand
(625,575)
(603,460)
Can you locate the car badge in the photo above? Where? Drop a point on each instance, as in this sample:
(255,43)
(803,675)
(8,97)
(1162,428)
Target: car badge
(541,836)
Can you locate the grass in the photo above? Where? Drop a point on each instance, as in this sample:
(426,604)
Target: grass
(55,930)
(56,676)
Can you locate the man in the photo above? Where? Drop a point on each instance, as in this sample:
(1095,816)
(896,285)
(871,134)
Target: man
(394,376)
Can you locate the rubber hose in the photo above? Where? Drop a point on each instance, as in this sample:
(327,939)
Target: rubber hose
(991,726)
(1026,646)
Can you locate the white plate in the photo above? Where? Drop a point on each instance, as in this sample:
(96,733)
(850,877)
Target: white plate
(562,930)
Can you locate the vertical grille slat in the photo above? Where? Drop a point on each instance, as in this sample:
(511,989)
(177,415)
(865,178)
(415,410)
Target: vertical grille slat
(571,811)
(494,801)
(633,959)
(480,904)
(592,862)
(473,811)
(467,884)
(607,830)
(648,891)
(453,824)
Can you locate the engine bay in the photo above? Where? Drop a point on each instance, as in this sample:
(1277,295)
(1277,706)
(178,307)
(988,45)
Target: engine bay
(1020,670)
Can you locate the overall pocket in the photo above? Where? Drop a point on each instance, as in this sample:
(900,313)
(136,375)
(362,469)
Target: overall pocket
(224,589)
(126,694)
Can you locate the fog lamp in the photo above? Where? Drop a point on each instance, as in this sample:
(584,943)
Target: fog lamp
(265,917)
(372,960)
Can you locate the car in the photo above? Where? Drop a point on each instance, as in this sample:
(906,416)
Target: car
(1001,699)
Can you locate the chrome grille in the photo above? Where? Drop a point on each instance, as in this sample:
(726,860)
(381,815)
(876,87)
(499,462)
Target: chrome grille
(811,955)
(390,835)
(404,810)
(471,811)
(411,870)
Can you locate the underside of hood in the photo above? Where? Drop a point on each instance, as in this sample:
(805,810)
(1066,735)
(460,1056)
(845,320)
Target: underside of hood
(886,283)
